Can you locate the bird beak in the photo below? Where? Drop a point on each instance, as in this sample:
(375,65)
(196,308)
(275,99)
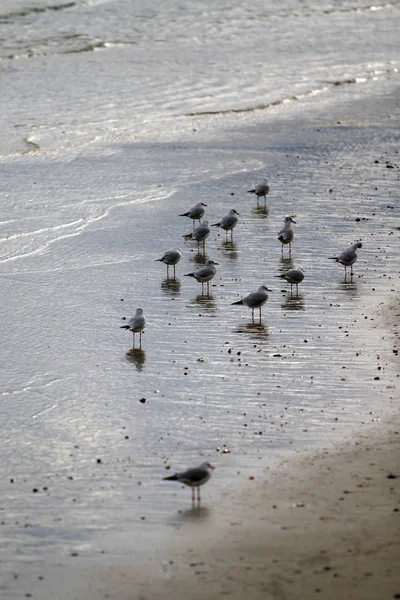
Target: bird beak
(211,467)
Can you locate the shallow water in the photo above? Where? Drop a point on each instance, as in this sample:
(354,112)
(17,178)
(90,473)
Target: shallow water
(83,224)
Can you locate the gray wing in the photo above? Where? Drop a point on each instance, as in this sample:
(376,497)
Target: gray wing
(194,475)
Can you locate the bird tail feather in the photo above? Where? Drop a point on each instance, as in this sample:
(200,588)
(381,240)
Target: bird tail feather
(170,478)
(124,327)
(238,302)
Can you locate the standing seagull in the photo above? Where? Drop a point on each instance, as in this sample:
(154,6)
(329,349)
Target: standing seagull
(255,300)
(228,222)
(294,277)
(348,258)
(260,190)
(200,234)
(286,234)
(172,257)
(195,213)
(204,275)
(194,478)
(136,325)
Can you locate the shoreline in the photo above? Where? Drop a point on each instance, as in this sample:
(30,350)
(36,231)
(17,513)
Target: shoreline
(318,541)
(323,524)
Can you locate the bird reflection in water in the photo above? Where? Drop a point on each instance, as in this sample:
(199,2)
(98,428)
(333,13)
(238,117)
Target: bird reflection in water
(349,287)
(136,356)
(294,302)
(285,264)
(195,514)
(171,286)
(229,248)
(200,258)
(256,330)
(206,301)
(261,211)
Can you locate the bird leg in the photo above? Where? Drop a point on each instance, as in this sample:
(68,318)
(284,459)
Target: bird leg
(140,340)
(193,496)
(252,315)
(133,347)
(167,271)
(198,494)
(174,272)
(260,314)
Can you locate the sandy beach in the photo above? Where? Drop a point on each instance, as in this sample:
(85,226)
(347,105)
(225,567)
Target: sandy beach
(323,525)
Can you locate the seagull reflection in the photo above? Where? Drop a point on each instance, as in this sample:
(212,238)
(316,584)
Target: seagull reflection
(285,264)
(171,286)
(349,287)
(261,211)
(136,356)
(195,514)
(206,301)
(294,302)
(256,330)
(200,258)
(229,248)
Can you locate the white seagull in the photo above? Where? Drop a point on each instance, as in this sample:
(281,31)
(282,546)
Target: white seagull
(255,300)
(228,222)
(172,257)
(204,274)
(286,235)
(260,190)
(294,277)
(194,477)
(348,258)
(136,325)
(195,213)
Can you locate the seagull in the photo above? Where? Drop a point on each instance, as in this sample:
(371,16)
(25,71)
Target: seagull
(195,213)
(255,300)
(260,190)
(194,477)
(136,325)
(200,234)
(348,258)
(228,222)
(172,257)
(286,234)
(204,274)
(294,277)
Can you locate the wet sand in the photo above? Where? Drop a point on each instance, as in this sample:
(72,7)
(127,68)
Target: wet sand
(320,524)
(324,524)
